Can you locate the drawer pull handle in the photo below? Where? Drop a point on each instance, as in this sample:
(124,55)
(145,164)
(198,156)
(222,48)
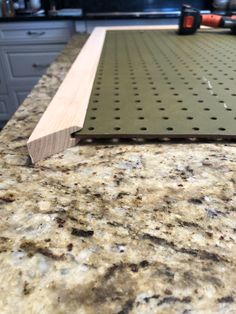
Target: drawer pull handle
(36,33)
(40,66)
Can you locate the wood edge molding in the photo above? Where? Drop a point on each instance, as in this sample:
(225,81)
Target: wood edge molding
(51,144)
(67,110)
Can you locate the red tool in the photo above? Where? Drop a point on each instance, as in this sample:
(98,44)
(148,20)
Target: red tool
(191,20)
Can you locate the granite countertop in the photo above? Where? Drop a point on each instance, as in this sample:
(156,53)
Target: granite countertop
(105,228)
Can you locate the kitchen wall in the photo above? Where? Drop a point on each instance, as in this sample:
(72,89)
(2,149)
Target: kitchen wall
(131,5)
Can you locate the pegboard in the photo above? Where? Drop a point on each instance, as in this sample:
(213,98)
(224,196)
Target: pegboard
(156,84)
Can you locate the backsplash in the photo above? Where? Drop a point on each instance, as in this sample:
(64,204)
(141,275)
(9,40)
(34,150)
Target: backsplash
(131,5)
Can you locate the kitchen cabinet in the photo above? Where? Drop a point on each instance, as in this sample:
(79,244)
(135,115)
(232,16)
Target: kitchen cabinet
(34,32)
(27,63)
(19,95)
(26,51)
(6,108)
(2,81)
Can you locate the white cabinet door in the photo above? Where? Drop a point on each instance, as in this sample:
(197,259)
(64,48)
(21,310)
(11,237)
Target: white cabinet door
(7,108)
(29,62)
(19,93)
(3,88)
(20,96)
(26,50)
(36,32)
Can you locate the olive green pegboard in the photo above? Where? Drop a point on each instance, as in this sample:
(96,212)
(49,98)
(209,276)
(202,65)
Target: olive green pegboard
(154,83)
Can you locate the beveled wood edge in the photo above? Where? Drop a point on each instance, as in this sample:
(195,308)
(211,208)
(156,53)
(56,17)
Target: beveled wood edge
(67,110)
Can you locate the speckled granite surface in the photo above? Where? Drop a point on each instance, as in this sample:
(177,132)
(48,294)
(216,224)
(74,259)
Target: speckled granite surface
(114,229)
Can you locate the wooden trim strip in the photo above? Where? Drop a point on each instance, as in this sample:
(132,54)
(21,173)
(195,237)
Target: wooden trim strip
(67,110)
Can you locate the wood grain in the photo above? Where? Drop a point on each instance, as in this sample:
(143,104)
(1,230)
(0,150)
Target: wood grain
(67,110)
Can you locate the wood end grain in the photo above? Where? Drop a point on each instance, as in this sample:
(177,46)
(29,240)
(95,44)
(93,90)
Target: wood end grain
(51,144)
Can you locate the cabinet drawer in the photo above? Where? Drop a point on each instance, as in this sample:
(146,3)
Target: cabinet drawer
(29,62)
(37,32)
